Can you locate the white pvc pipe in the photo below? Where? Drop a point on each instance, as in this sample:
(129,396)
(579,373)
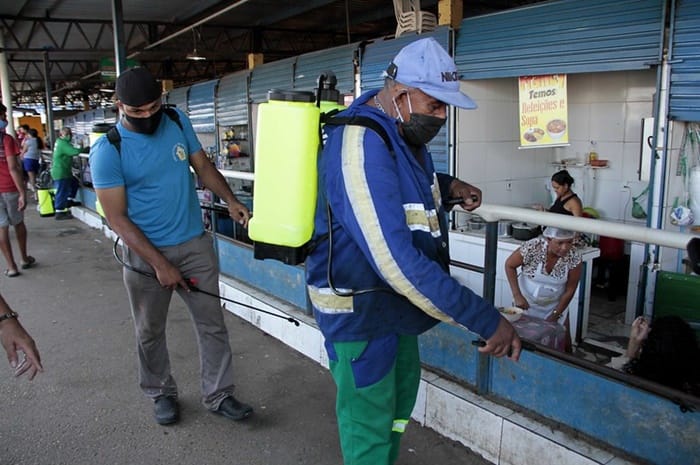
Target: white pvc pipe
(245,175)
(588,225)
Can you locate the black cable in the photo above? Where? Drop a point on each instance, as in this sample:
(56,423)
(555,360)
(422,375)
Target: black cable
(329,278)
(194,288)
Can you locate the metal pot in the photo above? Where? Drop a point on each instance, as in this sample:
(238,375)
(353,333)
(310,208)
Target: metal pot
(476,223)
(525,231)
(505,228)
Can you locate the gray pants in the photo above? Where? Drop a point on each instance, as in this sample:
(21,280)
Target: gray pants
(149,307)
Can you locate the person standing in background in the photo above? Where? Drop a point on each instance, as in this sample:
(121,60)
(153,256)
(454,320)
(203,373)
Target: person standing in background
(12,201)
(22,133)
(567,202)
(31,154)
(62,174)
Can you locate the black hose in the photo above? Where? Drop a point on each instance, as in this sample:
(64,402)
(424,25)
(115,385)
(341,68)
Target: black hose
(192,287)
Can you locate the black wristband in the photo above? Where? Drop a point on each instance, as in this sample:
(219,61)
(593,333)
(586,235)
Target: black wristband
(7,316)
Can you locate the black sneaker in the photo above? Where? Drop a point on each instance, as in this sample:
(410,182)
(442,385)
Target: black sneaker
(73,203)
(166,410)
(234,410)
(64,215)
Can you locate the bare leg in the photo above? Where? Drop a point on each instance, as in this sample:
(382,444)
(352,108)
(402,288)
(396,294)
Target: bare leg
(6,248)
(21,233)
(32,183)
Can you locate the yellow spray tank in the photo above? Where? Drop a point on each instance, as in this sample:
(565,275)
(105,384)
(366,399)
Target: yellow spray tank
(286,151)
(99,130)
(45,198)
(284,193)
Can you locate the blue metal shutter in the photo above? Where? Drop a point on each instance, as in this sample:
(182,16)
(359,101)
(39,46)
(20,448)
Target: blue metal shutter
(377,55)
(275,75)
(232,99)
(375,59)
(340,60)
(567,36)
(178,97)
(200,103)
(685,62)
(82,124)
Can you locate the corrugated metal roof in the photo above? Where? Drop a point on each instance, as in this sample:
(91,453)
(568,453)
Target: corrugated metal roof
(76,34)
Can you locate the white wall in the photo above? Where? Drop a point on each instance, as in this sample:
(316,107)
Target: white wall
(603,107)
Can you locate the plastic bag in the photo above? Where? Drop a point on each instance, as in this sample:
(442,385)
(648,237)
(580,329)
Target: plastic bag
(637,209)
(682,216)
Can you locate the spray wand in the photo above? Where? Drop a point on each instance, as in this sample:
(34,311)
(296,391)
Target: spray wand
(192,284)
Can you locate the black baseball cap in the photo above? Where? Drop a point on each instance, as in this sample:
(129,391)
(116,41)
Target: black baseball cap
(137,86)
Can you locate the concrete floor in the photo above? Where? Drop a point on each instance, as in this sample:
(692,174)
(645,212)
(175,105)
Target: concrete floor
(86,408)
(608,335)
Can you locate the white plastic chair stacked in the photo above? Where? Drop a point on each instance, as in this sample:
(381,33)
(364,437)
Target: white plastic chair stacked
(410,18)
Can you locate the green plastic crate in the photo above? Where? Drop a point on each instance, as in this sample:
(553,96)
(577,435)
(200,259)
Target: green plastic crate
(678,294)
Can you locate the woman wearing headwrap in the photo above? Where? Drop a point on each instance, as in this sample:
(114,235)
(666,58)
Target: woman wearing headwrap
(550,272)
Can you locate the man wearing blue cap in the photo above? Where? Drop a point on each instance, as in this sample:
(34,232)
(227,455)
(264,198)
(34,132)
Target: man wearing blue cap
(147,192)
(379,273)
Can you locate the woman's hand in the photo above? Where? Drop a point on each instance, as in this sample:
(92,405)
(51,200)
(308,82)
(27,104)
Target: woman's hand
(640,330)
(521,302)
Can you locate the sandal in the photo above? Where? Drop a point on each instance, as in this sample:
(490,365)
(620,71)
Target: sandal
(11,273)
(30,263)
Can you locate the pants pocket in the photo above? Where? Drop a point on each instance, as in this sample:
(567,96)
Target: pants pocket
(376,361)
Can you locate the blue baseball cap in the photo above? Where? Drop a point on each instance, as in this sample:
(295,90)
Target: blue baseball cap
(425,65)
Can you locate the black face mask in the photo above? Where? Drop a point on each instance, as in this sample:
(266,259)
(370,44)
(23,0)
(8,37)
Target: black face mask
(145,125)
(420,129)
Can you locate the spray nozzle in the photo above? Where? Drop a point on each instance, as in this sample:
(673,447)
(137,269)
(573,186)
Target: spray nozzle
(325,90)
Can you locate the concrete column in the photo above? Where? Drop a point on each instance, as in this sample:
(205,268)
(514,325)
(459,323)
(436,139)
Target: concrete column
(5,88)
(450,13)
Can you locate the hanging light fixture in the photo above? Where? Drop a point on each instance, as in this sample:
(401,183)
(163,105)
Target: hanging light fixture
(193,55)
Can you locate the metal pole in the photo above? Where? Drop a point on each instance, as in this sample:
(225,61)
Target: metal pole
(49,109)
(483,375)
(118,27)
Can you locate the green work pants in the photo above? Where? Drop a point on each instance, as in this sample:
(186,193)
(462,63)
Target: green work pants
(372,418)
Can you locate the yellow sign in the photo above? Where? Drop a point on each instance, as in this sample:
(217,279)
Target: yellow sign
(543,111)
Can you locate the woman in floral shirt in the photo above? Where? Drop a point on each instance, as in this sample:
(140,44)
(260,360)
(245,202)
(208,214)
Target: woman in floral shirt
(551,269)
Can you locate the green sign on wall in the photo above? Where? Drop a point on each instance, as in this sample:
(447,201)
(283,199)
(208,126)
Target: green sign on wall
(108,70)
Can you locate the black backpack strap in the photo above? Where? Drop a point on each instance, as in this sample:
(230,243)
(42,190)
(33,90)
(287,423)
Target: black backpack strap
(115,139)
(364,121)
(172,114)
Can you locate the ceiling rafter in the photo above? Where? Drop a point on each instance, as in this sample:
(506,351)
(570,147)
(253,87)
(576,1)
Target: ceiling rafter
(76,35)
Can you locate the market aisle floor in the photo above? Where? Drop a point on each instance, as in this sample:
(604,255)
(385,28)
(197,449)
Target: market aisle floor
(86,408)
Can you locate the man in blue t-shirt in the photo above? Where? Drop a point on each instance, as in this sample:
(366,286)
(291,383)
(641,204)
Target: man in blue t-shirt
(148,196)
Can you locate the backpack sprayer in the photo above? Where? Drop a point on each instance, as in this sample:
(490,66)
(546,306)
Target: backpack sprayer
(287,144)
